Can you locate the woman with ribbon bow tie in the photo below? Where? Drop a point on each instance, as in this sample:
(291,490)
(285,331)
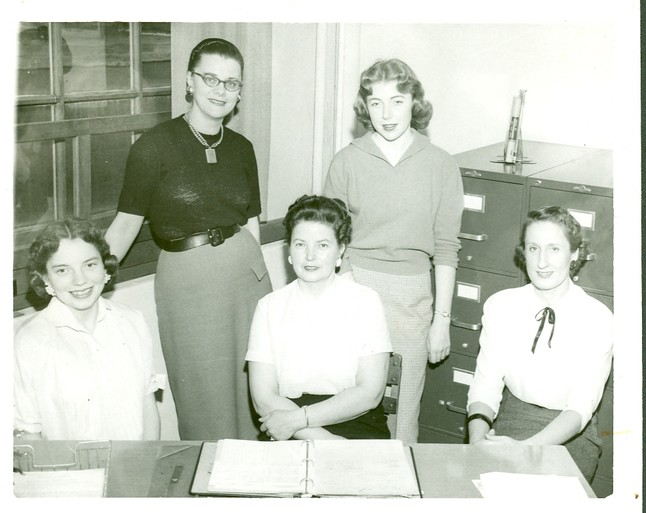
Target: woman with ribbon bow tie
(542,365)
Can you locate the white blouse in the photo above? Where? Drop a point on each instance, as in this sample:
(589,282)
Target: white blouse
(569,375)
(315,344)
(73,385)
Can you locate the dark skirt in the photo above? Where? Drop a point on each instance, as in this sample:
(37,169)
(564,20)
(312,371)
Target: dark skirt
(205,301)
(520,420)
(370,425)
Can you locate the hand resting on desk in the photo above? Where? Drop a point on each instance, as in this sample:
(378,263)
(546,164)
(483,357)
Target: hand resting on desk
(283,424)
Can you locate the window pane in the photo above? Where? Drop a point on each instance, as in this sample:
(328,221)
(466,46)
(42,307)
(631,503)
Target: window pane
(101,56)
(95,109)
(109,154)
(33,183)
(33,114)
(33,59)
(156,104)
(155,54)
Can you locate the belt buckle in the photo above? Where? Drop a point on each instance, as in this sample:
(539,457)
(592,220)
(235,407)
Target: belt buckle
(215,236)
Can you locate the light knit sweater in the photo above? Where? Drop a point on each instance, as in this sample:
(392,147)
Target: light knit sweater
(402,216)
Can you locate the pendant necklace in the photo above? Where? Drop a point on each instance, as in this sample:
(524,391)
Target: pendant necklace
(211,158)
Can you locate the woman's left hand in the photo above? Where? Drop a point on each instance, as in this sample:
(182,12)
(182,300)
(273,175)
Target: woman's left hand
(439,340)
(491,436)
(282,424)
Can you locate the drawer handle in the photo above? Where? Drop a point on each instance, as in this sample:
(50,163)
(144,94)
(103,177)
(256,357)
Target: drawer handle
(581,188)
(466,325)
(471,236)
(456,409)
(590,257)
(472,172)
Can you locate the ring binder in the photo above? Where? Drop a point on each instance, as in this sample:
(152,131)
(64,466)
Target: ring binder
(372,468)
(306,488)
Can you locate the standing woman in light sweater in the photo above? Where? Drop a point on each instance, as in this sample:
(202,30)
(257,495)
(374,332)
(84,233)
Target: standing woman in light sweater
(405,196)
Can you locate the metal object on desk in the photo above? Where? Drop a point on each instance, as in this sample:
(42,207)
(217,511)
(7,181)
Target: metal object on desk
(174,469)
(80,456)
(40,457)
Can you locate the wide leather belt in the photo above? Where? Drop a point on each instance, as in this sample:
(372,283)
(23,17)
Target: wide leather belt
(213,236)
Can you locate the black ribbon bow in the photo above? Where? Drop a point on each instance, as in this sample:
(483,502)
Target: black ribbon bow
(545,314)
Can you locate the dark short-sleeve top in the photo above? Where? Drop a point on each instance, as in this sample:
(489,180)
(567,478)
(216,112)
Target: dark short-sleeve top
(169,181)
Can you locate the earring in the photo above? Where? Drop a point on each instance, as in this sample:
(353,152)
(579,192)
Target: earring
(50,290)
(289,259)
(239,97)
(189,89)
(107,278)
(339,262)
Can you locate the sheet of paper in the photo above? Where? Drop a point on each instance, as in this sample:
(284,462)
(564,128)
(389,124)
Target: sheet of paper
(62,483)
(503,485)
(362,467)
(258,467)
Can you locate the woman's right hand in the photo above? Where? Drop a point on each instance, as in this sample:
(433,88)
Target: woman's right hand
(282,424)
(122,233)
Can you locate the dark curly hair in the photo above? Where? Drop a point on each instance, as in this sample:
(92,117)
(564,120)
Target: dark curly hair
(331,211)
(407,82)
(571,229)
(213,46)
(48,241)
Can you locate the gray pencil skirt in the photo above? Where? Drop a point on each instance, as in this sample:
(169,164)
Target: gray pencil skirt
(520,420)
(205,301)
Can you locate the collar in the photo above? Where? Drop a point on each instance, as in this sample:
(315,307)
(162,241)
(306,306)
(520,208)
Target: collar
(60,315)
(366,144)
(572,294)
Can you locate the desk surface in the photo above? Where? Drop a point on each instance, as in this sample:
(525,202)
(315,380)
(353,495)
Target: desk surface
(448,470)
(154,469)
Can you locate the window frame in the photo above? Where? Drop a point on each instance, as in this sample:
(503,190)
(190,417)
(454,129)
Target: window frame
(59,131)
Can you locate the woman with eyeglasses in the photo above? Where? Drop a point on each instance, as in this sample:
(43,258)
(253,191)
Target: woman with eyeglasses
(545,349)
(196,181)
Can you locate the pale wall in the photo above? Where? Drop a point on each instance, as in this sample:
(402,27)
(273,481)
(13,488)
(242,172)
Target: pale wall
(471,73)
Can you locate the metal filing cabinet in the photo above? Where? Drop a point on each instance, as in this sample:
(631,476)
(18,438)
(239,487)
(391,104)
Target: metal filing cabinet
(497,197)
(493,207)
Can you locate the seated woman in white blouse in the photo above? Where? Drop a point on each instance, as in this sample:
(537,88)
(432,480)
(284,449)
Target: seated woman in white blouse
(83,366)
(545,349)
(319,347)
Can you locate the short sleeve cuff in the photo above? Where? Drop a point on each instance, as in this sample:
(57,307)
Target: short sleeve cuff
(158,382)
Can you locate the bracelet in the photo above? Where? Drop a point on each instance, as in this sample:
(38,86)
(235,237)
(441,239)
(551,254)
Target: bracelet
(307,419)
(443,314)
(480,416)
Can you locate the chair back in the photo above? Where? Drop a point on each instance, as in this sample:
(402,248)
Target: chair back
(391,394)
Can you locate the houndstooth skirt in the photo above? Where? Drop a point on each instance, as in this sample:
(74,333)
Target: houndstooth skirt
(408,303)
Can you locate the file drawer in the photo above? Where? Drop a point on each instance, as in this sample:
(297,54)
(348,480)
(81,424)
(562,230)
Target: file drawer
(472,289)
(490,224)
(445,394)
(594,213)
(435,436)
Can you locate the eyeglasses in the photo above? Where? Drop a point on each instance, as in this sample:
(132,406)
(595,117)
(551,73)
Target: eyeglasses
(213,81)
